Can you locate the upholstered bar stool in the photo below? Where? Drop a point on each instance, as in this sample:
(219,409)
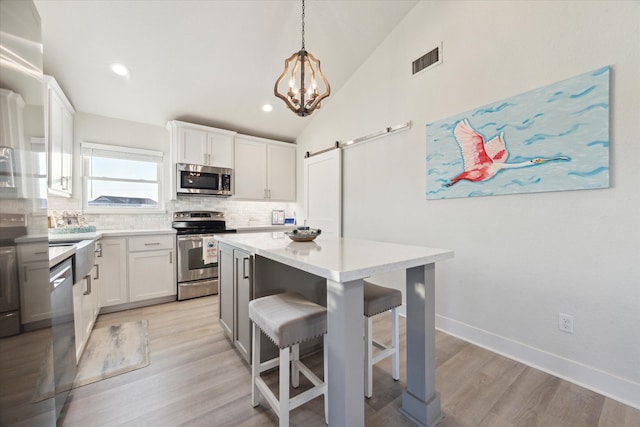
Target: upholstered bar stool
(377,300)
(287,319)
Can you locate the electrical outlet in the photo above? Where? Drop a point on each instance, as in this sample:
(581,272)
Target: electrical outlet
(565,322)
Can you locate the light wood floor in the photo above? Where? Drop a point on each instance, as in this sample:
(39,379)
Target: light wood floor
(196,378)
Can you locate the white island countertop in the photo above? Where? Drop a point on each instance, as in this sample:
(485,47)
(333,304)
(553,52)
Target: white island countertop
(334,258)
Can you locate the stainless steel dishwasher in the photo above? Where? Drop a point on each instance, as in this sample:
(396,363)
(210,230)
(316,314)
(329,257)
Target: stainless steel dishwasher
(63,333)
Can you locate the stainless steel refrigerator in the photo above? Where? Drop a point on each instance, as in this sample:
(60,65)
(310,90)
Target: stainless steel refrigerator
(27,394)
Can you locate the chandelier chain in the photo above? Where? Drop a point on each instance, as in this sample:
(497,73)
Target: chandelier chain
(302,24)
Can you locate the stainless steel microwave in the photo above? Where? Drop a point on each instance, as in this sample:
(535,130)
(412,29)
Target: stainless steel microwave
(204,180)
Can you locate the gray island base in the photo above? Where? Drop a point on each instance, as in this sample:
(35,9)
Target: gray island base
(343,263)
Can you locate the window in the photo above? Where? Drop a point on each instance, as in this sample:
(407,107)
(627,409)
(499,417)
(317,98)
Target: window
(39,165)
(121,178)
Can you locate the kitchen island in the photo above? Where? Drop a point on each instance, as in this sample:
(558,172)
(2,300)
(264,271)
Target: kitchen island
(343,263)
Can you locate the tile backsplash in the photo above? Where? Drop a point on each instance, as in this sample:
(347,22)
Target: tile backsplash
(237,213)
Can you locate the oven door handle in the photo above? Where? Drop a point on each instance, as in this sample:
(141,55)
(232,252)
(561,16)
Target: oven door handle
(193,237)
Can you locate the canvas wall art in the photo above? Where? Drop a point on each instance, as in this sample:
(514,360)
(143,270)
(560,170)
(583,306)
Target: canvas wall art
(554,138)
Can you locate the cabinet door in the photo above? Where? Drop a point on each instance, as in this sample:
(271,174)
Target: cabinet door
(95,294)
(220,150)
(112,272)
(281,172)
(78,317)
(225,289)
(250,171)
(59,140)
(55,141)
(35,295)
(152,274)
(243,262)
(192,146)
(89,303)
(67,151)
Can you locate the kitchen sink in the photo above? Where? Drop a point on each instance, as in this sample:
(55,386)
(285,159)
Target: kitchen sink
(83,259)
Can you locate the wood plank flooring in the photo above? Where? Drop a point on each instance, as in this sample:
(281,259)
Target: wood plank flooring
(196,378)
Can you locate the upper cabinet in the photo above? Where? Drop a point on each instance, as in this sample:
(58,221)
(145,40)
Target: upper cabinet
(264,169)
(12,164)
(201,145)
(59,139)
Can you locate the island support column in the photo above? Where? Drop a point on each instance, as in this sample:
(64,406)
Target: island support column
(346,353)
(420,401)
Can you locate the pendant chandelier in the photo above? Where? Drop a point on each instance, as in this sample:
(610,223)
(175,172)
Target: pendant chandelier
(302,73)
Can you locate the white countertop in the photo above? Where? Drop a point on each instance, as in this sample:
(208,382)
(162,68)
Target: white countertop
(129,232)
(258,228)
(76,237)
(337,259)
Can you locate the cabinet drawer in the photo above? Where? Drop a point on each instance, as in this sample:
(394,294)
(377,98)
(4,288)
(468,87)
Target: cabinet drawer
(150,243)
(33,252)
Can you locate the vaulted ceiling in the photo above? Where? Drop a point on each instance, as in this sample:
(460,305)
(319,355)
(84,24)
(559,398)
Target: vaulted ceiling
(211,62)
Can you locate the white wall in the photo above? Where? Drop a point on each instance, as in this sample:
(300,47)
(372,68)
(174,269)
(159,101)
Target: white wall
(520,260)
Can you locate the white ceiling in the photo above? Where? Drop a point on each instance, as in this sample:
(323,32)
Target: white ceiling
(211,62)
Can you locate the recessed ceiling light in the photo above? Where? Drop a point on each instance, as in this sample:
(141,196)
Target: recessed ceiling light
(267,107)
(120,69)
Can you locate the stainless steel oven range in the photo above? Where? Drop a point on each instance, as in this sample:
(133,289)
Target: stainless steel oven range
(198,251)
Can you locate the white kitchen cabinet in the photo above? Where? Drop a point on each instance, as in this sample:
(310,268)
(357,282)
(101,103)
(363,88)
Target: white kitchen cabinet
(59,139)
(201,145)
(264,169)
(86,305)
(135,269)
(152,272)
(12,146)
(33,273)
(111,261)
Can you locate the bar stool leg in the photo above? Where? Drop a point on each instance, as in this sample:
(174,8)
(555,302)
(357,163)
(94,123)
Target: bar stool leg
(295,372)
(368,357)
(284,388)
(255,365)
(395,358)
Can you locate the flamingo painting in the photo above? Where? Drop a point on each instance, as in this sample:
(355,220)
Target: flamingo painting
(553,138)
(483,160)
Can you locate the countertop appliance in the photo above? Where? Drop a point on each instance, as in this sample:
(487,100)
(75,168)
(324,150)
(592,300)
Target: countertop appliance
(198,251)
(203,180)
(11,226)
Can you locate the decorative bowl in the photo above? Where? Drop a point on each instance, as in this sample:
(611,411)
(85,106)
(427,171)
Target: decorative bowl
(303,234)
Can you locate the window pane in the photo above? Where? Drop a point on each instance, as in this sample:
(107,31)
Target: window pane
(122,194)
(40,178)
(125,169)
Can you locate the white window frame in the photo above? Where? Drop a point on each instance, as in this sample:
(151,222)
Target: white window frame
(87,148)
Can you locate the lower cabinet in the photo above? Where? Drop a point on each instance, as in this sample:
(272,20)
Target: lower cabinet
(235,278)
(243,263)
(225,289)
(137,268)
(86,305)
(33,273)
(112,269)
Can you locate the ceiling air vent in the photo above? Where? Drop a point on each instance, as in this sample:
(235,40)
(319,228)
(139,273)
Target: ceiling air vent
(426,61)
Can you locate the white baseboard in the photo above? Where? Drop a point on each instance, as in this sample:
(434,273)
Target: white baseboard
(609,385)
